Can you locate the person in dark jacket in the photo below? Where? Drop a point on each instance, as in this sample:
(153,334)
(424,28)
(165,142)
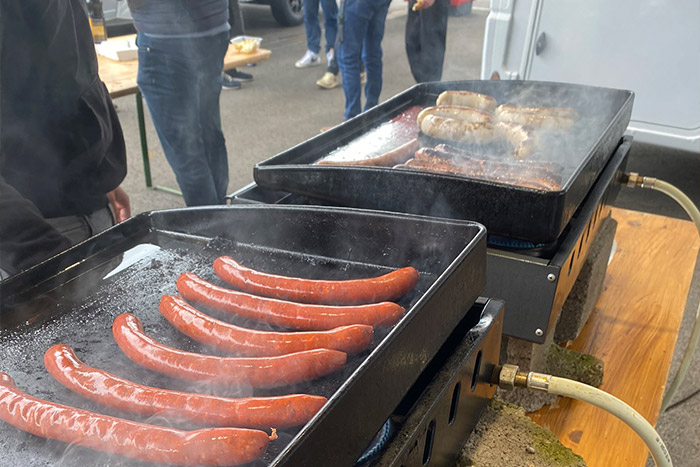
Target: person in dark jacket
(182,44)
(62,152)
(426,38)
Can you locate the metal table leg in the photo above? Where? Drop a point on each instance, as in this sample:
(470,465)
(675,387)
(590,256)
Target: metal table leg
(144,150)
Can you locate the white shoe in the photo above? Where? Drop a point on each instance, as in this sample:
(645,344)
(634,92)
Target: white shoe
(309,59)
(328,81)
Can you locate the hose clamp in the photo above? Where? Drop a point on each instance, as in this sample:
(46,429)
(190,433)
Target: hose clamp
(538,381)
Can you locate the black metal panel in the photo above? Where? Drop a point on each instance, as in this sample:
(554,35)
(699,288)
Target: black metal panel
(507,210)
(450,404)
(535,288)
(73,298)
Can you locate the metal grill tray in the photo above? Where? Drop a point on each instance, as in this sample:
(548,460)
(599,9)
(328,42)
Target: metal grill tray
(507,210)
(74,297)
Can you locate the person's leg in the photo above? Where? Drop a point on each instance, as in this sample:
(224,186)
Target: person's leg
(426,37)
(372,52)
(167,78)
(312,26)
(330,23)
(212,52)
(235,18)
(349,53)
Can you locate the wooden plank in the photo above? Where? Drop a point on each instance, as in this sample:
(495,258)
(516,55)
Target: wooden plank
(633,329)
(120,76)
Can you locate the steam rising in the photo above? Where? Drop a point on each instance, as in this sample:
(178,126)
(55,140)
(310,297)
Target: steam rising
(80,314)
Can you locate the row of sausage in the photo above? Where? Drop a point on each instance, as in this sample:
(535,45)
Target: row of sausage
(328,319)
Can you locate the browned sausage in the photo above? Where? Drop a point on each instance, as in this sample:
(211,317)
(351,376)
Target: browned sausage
(113,391)
(259,372)
(388,159)
(524,139)
(224,336)
(387,287)
(290,315)
(548,118)
(457,112)
(467,99)
(460,131)
(150,443)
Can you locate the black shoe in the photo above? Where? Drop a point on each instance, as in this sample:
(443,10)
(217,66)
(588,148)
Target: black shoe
(229,83)
(239,75)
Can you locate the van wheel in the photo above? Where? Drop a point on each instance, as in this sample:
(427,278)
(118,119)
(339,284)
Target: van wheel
(287,12)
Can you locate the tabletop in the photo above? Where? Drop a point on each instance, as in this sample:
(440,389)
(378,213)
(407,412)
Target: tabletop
(120,76)
(633,329)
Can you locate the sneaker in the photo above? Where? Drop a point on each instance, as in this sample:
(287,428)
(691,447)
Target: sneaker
(229,83)
(309,59)
(239,75)
(328,80)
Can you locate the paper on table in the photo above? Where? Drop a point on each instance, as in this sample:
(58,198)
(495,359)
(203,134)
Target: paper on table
(118,49)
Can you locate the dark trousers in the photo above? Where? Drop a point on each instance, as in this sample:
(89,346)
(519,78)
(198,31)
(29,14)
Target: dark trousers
(313,26)
(235,18)
(181,82)
(426,36)
(363,31)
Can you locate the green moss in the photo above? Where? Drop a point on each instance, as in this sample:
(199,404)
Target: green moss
(506,436)
(551,450)
(574,365)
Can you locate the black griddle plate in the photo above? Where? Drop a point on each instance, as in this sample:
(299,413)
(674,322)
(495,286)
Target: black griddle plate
(73,298)
(506,210)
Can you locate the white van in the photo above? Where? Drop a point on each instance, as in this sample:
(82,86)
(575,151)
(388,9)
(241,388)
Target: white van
(651,47)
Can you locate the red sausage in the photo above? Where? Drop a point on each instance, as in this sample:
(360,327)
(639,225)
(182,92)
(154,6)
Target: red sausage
(113,391)
(150,443)
(262,372)
(224,336)
(388,287)
(286,314)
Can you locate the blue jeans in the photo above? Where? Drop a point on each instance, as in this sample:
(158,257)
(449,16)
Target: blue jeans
(313,26)
(363,30)
(181,82)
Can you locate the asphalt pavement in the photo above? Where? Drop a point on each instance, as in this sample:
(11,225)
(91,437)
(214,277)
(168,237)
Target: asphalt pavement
(282,107)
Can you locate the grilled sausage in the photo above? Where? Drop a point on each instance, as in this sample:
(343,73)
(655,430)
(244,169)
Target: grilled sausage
(128,396)
(388,159)
(524,139)
(466,114)
(261,372)
(442,159)
(467,99)
(150,443)
(286,314)
(387,287)
(546,118)
(227,337)
(457,130)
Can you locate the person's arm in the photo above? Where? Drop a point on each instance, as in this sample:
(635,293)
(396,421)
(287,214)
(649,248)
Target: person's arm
(121,206)
(26,238)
